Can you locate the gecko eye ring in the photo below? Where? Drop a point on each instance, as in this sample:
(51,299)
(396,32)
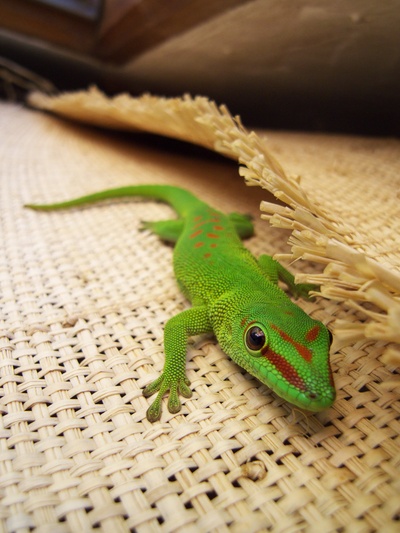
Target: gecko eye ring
(255,339)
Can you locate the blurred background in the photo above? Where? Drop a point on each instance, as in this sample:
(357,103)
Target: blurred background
(316,65)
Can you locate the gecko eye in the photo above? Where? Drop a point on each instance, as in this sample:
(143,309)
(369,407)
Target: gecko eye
(255,339)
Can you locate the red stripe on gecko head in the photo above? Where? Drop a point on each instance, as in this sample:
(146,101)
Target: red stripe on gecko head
(244,323)
(331,376)
(244,320)
(284,368)
(313,333)
(305,353)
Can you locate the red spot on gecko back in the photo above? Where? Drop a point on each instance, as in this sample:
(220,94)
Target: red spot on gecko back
(199,224)
(199,244)
(212,236)
(207,255)
(209,221)
(313,333)
(218,228)
(303,351)
(284,368)
(195,234)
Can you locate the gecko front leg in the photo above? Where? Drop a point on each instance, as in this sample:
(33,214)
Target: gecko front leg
(173,379)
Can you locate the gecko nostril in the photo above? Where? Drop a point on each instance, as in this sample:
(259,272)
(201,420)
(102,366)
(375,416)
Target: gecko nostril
(313,395)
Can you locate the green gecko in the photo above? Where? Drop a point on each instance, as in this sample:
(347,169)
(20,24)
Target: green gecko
(236,297)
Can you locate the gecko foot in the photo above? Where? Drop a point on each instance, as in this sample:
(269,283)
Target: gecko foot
(162,385)
(302,290)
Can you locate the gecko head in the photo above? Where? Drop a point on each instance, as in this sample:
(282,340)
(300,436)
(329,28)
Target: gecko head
(285,349)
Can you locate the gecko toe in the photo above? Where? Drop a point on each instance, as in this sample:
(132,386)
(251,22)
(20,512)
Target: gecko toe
(184,388)
(154,411)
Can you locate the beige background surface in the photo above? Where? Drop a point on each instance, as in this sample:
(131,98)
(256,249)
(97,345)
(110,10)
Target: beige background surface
(84,297)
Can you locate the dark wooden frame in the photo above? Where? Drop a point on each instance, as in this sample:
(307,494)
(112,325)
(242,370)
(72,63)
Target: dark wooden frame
(114,31)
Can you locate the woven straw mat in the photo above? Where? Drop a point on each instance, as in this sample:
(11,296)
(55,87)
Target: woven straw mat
(84,299)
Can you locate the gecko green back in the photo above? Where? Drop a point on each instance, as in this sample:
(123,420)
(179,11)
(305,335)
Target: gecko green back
(235,296)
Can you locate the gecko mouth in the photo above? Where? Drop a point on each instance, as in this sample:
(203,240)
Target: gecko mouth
(315,401)
(295,390)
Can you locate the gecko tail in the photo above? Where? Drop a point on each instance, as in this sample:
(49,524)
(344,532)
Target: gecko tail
(180,199)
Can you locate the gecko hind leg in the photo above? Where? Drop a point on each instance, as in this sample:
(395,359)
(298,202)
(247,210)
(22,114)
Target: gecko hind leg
(243,224)
(274,271)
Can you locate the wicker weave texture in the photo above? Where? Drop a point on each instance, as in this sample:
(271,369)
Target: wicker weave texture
(84,298)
